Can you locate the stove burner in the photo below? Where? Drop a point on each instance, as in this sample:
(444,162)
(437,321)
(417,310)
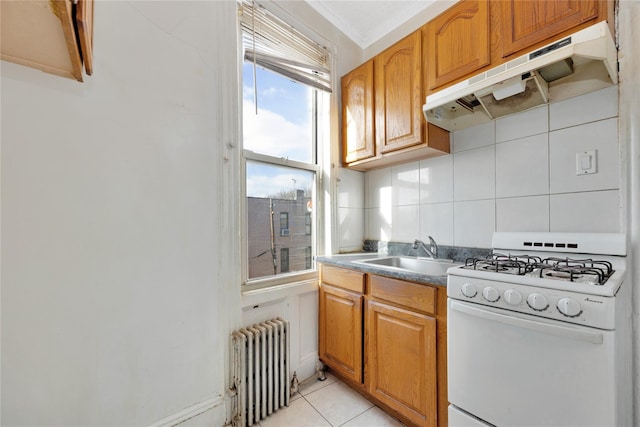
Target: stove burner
(567,269)
(494,267)
(508,264)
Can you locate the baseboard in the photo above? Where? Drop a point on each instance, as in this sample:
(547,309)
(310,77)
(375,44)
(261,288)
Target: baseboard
(190,412)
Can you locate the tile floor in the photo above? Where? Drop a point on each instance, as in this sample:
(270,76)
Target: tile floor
(329,403)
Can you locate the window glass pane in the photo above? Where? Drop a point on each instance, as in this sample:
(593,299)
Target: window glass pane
(284,260)
(278,196)
(283,126)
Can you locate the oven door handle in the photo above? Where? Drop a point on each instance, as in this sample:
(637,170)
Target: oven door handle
(545,328)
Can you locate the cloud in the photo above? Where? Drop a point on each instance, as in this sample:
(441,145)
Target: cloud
(264,181)
(271,133)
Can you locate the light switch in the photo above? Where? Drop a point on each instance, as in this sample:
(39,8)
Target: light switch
(586,162)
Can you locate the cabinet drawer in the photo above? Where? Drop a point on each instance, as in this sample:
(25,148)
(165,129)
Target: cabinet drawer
(343,278)
(418,297)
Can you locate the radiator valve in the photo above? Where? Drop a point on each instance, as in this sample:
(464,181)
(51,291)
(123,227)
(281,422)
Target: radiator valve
(295,384)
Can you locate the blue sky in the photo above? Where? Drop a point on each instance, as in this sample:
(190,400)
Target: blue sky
(282,128)
(277,94)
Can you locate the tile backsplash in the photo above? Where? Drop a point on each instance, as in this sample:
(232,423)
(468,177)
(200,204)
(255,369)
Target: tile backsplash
(517,173)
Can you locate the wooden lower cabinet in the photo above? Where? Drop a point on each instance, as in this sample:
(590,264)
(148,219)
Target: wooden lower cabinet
(341,331)
(340,321)
(401,361)
(388,339)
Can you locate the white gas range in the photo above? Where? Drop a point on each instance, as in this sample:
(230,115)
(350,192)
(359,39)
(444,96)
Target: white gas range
(539,333)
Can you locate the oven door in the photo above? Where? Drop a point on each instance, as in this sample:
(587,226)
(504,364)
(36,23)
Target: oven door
(510,369)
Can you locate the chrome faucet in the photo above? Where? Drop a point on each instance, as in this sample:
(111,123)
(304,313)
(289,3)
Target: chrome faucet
(431,250)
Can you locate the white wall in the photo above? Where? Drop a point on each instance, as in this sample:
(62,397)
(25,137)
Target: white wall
(120,208)
(629,58)
(114,307)
(516,173)
(412,24)
(350,193)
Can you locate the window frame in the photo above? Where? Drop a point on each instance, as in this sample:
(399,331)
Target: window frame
(285,216)
(324,157)
(308,255)
(315,167)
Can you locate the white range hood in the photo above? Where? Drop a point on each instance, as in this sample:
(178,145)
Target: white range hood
(584,62)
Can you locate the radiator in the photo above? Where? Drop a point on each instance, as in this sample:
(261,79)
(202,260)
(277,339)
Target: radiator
(260,371)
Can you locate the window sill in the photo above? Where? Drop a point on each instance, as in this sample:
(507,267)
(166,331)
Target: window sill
(278,281)
(298,284)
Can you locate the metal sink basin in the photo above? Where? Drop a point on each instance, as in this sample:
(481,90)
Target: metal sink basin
(431,267)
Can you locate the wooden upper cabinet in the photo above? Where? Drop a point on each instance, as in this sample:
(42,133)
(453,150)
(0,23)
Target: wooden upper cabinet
(525,23)
(382,121)
(458,42)
(52,35)
(399,94)
(358,141)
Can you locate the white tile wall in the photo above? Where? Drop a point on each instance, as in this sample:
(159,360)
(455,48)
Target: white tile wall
(474,223)
(522,213)
(564,144)
(351,228)
(379,223)
(408,219)
(405,184)
(522,167)
(512,174)
(474,137)
(474,174)
(436,180)
(436,220)
(350,200)
(350,189)
(378,188)
(596,211)
(599,105)
(526,123)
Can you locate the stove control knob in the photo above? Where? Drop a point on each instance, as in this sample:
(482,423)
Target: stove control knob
(569,307)
(491,294)
(468,290)
(512,297)
(537,301)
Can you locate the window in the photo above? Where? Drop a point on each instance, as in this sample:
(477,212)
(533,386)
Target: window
(307,222)
(284,223)
(307,256)
(285,80)
(284,260)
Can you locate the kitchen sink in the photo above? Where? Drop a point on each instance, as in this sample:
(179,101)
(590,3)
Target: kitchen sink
(432,267)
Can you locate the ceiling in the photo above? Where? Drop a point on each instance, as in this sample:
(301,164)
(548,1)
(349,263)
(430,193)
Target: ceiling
(365,21)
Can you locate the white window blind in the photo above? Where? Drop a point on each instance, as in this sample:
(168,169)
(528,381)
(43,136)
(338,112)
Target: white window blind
(275,45)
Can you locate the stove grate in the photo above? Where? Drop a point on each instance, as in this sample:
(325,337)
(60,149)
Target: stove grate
(574,270)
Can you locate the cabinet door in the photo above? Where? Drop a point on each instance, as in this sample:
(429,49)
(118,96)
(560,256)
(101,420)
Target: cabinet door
(526,23)
(458,42)
(358,141)
(341,330)
(399,94)
(401,361)
(42,34)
